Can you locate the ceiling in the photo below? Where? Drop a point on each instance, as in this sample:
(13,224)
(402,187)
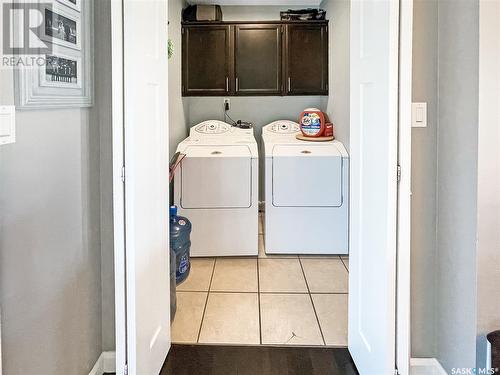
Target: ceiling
(309,3)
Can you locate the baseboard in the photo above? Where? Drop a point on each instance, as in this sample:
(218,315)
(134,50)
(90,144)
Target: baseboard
(426,366)
(105,363)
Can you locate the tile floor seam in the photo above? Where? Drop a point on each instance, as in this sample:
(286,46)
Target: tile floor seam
(342,260)
(206,302)
(258,301)
(312,303)
(281,293)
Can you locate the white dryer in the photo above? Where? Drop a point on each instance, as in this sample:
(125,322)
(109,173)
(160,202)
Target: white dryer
(306,193)
(216,188)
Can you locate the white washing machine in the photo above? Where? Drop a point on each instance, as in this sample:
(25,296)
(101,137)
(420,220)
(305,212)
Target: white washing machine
(216,188)
(306,193)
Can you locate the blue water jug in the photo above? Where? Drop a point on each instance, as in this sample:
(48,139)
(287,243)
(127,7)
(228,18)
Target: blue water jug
(173,295)
(180,243)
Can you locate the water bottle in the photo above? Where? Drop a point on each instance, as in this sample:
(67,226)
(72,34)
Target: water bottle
(180,243)
(173,296)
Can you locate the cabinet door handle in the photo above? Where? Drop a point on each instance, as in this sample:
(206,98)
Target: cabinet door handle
(237,84)
(289,84)
(227,83)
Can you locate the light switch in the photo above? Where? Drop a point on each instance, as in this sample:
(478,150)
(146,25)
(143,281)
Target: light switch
(7,124)
(419,115)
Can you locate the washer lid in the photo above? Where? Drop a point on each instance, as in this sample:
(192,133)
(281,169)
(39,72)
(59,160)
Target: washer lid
(216,176)
(308,175)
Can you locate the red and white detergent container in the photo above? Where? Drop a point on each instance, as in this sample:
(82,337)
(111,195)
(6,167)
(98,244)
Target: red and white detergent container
(315,124)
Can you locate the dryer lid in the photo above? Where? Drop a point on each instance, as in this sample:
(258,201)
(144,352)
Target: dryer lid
(307,175)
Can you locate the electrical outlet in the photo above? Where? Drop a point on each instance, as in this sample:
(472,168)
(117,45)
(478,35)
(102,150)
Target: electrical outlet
(227,104)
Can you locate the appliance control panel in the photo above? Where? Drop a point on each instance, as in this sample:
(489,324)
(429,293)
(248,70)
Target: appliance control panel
(284,127)
(212,127)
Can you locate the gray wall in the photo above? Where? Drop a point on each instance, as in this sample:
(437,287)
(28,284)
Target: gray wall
(255,13)
(338,101)
(444,185)
(101,114)
(458,38)
(50,281)
(52,287)
(424,174)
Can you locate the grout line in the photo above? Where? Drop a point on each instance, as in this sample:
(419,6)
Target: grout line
(255,292)
(220,291)
(312,303)
(346,268)
(206,301)
(258,298)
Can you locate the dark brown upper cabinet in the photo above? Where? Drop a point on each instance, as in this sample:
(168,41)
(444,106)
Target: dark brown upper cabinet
(206,60)
(257,59)
(306,69)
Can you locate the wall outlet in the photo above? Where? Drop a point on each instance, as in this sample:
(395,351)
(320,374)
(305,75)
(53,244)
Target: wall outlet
(227,104)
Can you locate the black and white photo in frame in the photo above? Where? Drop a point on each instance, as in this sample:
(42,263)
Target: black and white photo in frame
(61,71)
(65,79)
(61,26)
(75,4)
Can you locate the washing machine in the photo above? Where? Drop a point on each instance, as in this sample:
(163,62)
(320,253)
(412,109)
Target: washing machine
(216,188)
(306,193)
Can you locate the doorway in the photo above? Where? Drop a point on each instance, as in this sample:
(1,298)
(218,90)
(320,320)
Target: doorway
(372,293)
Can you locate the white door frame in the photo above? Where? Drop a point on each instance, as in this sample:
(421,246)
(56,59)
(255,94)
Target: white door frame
(403,256)
(404,156)
(118,185)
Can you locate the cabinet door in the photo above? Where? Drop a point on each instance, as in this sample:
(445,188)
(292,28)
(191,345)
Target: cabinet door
(257,59)
(307,59)
(206,60)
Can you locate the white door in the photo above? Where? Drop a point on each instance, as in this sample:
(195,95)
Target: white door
(373,183)
(142,262)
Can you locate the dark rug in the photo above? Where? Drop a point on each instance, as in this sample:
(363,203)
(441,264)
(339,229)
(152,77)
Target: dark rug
(257,360)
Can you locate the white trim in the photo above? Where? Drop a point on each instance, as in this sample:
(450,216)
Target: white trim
(403,260)
(118,186)
(426,366)
(105,363)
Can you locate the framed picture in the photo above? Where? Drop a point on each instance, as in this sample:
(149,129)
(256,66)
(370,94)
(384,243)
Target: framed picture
(63,78)
(61,71)
(61,27)
(74,4)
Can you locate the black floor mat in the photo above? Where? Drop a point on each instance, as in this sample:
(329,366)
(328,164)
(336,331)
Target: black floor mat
(257,360)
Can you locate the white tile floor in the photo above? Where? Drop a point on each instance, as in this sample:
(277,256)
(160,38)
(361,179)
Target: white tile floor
(267,300)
